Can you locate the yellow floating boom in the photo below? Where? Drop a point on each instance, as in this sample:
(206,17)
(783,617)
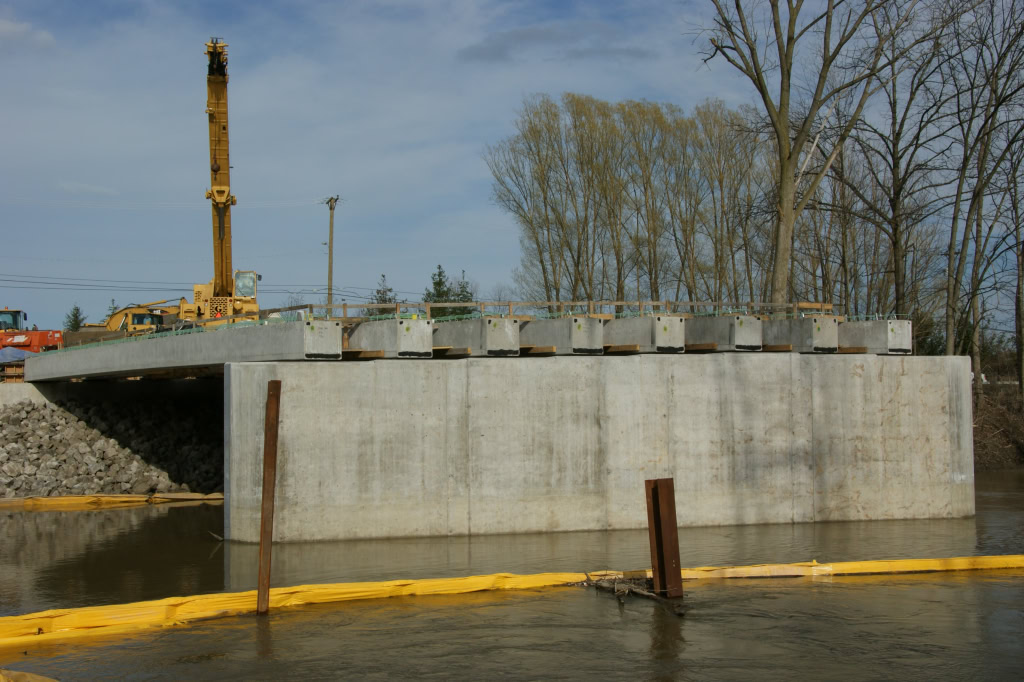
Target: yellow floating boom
(118,619)
(62,624)
(812,569)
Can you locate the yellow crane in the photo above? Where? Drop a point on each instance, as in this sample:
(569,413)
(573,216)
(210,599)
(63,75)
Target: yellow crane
(228,293)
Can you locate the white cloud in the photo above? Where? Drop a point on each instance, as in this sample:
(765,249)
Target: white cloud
(14,32)
(553,40)
(83,188)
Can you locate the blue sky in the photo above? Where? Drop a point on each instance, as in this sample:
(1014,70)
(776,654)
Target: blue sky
(103,156)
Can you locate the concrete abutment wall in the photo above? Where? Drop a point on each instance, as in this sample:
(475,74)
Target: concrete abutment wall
(480,446)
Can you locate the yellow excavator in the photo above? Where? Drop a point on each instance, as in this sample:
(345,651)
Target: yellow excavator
(229,294)
(138,319)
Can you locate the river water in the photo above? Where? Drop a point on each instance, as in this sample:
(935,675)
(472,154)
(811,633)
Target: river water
(935,626)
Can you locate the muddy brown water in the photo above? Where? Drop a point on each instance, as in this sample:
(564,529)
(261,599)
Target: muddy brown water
(934,626)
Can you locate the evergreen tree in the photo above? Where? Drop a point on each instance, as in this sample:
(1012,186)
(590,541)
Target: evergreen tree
(384,292)
(112,308)
(74,320)
(445,290)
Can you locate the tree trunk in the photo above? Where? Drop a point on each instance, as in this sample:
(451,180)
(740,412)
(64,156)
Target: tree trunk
(783,237)
(899,271)
(1018,322)
(976,351)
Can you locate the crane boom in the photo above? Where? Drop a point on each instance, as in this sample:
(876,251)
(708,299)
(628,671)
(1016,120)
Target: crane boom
(219,194)
(230,294)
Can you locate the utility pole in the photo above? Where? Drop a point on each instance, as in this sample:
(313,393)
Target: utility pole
(331,203)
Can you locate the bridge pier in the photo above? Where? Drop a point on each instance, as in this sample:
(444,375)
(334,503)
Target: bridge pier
(477,446)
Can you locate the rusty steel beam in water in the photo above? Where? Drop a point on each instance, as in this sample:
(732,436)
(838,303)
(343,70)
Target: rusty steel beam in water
(664,535)
(269,481)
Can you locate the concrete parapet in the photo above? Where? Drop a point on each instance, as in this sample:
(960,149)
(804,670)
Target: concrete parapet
(398,338)
(192,350)
(653,334)
(726,332)
(577,335)
(812,334)
(478,446)
(881,337)
(487,336)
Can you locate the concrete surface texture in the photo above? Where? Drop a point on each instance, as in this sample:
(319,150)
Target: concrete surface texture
(728,332)
(812,334)
(194,391)
(206,349)
(494,336)
(15,393)
(882,337)
(398,338)
(654,334)
(576,335)
(477,446)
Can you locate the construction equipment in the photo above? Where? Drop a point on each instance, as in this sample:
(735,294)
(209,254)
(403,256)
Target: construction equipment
(15,333)
(229,294)
(138,319)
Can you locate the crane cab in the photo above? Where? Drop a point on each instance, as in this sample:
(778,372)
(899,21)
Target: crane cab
(245,284)
(240,301)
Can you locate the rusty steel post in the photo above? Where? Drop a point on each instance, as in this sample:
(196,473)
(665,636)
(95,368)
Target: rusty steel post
(664,535)
(269,482)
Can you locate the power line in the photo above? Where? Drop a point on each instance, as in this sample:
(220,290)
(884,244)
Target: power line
(31,278)
(87,282)
(45,288)
(142,205)
(41,286)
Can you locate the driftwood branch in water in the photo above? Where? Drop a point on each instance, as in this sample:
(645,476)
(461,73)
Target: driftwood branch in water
(622,588)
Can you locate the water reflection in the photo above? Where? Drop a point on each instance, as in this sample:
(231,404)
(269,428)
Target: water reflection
(264,638)
(67,559)
(999,498)
(916,627)
(666,643)
(360,560)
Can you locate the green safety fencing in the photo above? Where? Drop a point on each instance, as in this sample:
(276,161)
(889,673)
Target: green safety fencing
(173,332)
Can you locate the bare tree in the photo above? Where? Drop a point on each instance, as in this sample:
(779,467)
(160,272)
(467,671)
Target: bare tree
(644,128)
(983,61)
(1012,174)
(523,167)
(899,146)
(802,63)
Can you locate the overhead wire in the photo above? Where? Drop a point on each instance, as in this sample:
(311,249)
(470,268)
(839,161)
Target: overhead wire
(50,282)
(144,205)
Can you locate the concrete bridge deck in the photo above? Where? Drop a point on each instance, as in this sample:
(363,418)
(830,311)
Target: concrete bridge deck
(195,351)
(203,351)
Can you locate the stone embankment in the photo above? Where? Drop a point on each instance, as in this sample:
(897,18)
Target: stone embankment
(75,449)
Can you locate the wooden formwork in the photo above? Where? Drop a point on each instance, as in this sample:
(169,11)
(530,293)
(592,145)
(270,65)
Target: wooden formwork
(13,373)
